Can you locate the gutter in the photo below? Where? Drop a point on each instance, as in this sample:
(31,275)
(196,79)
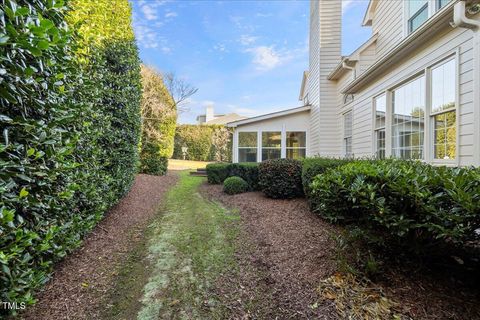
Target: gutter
(461,20)
(408,44)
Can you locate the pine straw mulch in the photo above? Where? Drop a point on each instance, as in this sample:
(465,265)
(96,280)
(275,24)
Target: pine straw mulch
(82,280)
(287,270)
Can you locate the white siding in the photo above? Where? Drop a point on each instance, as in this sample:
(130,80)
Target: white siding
(388,22)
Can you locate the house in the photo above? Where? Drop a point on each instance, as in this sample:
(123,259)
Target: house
(411,91)
(221,119)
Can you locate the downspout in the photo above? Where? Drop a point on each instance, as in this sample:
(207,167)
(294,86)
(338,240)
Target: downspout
(462,21)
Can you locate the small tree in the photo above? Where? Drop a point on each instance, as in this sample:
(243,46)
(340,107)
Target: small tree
(221,140)
(180,91)
(159,117)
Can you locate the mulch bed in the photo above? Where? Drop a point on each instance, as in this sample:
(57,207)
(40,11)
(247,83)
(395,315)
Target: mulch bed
(88,274)
(286,251)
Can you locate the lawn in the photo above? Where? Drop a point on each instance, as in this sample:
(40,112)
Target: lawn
(177,164)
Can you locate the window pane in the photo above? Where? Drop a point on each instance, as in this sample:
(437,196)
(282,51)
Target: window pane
(296,153)
(296,139)
(443,86)
(380,143)
(380,110)
(271,139)
(271,154)
(408,120)
(247,139)
(418,14)
(442,3)
(445,135)
(348,147)
(247,155)
(347,124)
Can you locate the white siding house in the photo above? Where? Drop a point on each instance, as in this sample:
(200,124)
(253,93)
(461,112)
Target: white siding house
(411,91)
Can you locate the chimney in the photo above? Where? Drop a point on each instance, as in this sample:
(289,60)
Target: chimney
(209,115)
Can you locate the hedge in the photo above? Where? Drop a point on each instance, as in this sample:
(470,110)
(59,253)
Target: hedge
(235,185)
(201,141)
(218,172)
(410,204)
(281,178)
(70,116)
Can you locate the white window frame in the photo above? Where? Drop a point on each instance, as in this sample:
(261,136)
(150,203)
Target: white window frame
(374,121)
(271,148)
(346,138)
(433,7)
(291,148)
(238,144)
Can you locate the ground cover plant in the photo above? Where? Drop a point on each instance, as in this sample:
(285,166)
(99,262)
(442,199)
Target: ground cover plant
(235,185)
(69,147)
(281,178)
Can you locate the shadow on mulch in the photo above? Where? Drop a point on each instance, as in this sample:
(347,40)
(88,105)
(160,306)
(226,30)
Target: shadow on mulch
(82,281)
(285,252)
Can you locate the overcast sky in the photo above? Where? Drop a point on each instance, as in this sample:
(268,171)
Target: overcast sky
(243,56)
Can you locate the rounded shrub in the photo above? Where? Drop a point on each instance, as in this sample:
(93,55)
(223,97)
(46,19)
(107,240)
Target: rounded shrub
(235,185)
(281,178)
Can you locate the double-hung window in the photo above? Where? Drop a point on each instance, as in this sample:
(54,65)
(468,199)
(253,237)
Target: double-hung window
(442,110)
(408,127)
(296,144)
(247,147)
(271,145)
(417,13)
(347,133)
(379,132)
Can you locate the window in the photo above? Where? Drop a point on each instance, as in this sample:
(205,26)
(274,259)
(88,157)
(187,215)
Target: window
(271,145)
(441,3)
(380,111)
(347,133)
(417,14)
(408,102)
(296,144)
(247,147)
(443,110)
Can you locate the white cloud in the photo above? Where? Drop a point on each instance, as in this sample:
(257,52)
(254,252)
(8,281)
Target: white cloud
(266,58)
(149,12)
(348,4)
(149,39)
(171,15)
(220,47)
(247,40)
(248,112)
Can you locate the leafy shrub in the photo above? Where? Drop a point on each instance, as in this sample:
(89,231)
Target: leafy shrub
(409,203)
(235,185)
(311,167)
(281,178)
(217,172)
(69,147)
(152,163)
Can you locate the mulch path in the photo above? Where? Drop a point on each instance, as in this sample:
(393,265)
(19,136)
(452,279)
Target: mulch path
(286,250)
(84,277)
(289,250)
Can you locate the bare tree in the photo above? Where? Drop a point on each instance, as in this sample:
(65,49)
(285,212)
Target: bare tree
(180,91)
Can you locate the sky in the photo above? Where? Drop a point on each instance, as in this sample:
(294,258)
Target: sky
(246,57)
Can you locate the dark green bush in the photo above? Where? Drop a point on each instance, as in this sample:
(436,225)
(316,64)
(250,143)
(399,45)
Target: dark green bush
(409,203)
(311,167)
(69,108)
(152,163)
(248,171)
(235,185)
(217,172)
(281,178)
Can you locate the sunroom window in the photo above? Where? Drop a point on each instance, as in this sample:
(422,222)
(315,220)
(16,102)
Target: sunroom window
(271,145)
(247,147)
(296,144)
(380,111)
(443,110)
(408,104)
(417,14)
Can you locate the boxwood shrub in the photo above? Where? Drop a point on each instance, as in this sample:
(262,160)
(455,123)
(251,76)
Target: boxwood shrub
(248,171)
(408,203)
(235,185)
(281,178)
(217,172)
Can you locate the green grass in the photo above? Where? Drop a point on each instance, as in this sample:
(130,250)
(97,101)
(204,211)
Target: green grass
(188,246)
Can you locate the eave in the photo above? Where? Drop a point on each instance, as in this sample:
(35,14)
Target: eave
(268,116)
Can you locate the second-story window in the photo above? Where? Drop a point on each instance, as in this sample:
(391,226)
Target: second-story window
(417,14)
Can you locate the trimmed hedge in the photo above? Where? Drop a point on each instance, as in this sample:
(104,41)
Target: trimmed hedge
(408,203)
(218,172)
(281,178)
(69,108)
(235,185)
(151,162)
(311,167)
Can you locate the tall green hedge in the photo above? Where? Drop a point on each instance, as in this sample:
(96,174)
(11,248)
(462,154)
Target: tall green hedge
(69,109)
(199,139)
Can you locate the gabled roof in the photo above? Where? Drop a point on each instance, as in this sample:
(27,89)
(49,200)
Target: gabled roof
(367,19)
(303,86)
(268,116)
(224,119)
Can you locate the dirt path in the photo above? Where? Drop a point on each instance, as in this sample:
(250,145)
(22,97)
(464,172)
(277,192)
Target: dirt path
(84,278)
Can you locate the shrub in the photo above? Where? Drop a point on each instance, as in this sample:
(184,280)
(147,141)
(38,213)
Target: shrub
(281,178)
(409,203)
(235,185)
(152,163)
(217,172)
(248,171)
(69,147)
(311,167)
